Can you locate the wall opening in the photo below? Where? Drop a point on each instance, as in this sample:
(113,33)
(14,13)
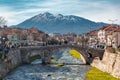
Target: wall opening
(33,58)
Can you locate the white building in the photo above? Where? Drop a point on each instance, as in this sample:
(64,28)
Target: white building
(109,35)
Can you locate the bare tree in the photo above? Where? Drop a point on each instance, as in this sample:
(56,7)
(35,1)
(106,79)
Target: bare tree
(2,21)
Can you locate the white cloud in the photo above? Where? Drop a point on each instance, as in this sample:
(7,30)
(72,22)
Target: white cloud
(15,17)
(99,11)
(103,14)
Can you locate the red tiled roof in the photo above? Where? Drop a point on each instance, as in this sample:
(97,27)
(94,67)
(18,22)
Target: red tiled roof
(33,29)
(110,28)
(103,27)
(92,33)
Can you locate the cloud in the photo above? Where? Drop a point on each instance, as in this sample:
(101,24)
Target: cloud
(99,11)
(14,17)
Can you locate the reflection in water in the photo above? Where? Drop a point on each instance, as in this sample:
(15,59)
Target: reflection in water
(72,70)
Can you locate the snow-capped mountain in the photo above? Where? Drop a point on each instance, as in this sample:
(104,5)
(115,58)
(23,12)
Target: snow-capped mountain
(50,23)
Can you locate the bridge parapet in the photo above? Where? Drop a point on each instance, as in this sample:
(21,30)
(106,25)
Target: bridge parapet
(47,51)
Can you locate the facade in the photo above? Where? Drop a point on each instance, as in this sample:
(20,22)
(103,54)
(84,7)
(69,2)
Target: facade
(102,35)
(109,35)
(116,39)
(23,35)
(55,35)
(113,39)
(92,36)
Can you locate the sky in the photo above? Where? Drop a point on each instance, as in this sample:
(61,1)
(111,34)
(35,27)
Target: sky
(16,11)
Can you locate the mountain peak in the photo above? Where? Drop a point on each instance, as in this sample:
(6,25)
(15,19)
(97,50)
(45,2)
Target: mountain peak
(60,15)
(47,13)
(53,15)
(43,16)
(60,23)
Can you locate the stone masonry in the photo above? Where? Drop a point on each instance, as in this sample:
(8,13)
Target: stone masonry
(16,57)
(12,60)
(110,63)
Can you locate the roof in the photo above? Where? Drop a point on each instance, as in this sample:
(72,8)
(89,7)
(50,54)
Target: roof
(111,28)
(92,33)
(33,29)
(103,27)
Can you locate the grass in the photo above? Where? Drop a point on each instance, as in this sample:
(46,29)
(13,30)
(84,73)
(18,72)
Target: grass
(53,60)
(96,74)
(34,58)
(60,64)
(118,49)
(3,56)
(111,49)
(75,54)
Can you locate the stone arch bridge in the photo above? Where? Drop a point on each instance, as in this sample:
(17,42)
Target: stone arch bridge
(88,54)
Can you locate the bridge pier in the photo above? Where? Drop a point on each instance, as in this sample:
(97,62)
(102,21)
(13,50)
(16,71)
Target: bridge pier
(45,61)
(46,58)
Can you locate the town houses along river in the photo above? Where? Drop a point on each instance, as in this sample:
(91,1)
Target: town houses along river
(65,68)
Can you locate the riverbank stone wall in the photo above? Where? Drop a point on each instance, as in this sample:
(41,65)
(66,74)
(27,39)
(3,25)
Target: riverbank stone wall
(11,60)
(110,63)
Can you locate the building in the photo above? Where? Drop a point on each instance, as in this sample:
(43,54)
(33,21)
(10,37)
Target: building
(113,38)
(108,35)
(55,35)
(23,35)
(102,35)
(92,36)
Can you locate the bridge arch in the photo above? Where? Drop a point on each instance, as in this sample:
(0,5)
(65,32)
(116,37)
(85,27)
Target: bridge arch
(83,57)
(34,57)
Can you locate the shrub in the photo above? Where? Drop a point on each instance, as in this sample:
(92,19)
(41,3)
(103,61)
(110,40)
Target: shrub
(118,49)
(3,57)
(0,56)
(111,49)
(34,58)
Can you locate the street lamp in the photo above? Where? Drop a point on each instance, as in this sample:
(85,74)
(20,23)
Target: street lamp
(3,40)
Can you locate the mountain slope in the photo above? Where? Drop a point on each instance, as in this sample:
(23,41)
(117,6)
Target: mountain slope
(58,23)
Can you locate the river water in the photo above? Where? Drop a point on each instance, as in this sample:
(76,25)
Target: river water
(72,70)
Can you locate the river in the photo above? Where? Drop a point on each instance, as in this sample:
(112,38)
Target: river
(72,70)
